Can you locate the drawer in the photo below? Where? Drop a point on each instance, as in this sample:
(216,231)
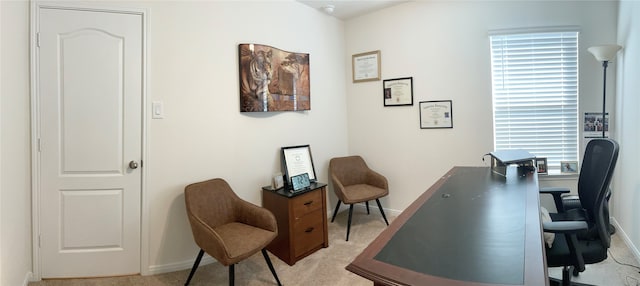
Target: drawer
(306,203)
(308,233)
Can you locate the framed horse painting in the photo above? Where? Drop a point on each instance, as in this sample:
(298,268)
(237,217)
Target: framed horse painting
(272,79)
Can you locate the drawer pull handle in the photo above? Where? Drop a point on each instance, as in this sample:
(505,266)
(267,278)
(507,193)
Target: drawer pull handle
(309,229)
(308,203)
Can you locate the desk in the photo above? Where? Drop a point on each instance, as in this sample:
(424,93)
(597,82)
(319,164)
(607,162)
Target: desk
(472,227)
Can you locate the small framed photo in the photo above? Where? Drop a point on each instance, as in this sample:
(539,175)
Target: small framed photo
(277,182)
(541,165)
(568,167)
(398,91)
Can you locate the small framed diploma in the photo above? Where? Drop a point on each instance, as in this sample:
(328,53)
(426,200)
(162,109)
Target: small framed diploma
(436,114)
(297,160)
(366,66)
(398,91)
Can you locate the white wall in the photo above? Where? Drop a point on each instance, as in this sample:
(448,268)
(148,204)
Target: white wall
(626,191)
(193,69)
(1,57)
(444,46)
(15,166)
(192,64)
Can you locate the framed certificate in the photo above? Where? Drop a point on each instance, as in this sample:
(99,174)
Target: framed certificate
(366,66)
(398,91)
(436,114)
(297,160)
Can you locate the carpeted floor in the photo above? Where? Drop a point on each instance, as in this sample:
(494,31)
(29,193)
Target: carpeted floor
(326,266)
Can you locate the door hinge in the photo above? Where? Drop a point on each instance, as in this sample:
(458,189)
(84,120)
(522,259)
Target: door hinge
(39,242)
(38,145)
(38,40)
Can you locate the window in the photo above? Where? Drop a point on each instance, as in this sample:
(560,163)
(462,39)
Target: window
(535,94)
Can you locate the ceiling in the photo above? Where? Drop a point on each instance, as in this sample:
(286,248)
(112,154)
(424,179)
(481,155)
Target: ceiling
(348,9)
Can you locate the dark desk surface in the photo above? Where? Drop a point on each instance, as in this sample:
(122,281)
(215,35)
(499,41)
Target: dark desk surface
(472,227)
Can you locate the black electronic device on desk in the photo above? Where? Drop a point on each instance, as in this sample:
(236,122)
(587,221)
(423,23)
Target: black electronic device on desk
(300,182)
(503,158)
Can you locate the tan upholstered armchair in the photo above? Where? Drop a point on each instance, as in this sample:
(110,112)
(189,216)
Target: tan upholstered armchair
(354,182)
(227,227)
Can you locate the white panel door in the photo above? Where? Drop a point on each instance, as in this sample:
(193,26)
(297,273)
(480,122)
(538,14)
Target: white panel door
(90,100)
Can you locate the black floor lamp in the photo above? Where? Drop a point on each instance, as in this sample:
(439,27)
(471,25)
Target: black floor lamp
(604,54)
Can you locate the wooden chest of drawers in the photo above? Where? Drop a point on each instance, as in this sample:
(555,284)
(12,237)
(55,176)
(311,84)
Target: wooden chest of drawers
(302,221)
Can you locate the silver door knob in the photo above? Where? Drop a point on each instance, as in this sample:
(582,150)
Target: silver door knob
(133,165)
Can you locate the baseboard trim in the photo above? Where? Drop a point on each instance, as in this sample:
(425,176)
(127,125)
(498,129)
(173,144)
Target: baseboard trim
(28,278)
(178,266)
(372,205)
(625,238)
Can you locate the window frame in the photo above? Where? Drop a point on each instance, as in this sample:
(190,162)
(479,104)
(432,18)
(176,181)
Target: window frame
(569,129)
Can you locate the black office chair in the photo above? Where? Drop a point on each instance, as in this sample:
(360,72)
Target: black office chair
(584,231)
(569,202)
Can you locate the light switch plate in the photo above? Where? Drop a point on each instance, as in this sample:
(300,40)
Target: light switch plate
(157,110)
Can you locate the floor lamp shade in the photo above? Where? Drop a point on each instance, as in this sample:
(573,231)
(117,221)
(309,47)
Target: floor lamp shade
(604,54)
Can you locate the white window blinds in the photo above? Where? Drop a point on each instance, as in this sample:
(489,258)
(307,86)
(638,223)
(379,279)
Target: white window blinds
(535,94)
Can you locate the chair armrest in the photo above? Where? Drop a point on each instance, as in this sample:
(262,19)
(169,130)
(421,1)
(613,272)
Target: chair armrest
(376,179)
(570,197)
(564,226)
(254,215)
(338,188)
(557,196)
(569,229)
(206,238)
(552,190)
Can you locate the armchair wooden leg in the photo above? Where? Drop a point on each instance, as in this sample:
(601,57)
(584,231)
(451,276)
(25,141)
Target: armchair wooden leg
(349,222)
(195,266)
(232,275)
(382,211)
(273,271)
(336,211)
(367,203)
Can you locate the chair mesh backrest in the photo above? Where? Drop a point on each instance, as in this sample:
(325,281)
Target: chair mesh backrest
(598,163)
(349,170)
(211,201)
